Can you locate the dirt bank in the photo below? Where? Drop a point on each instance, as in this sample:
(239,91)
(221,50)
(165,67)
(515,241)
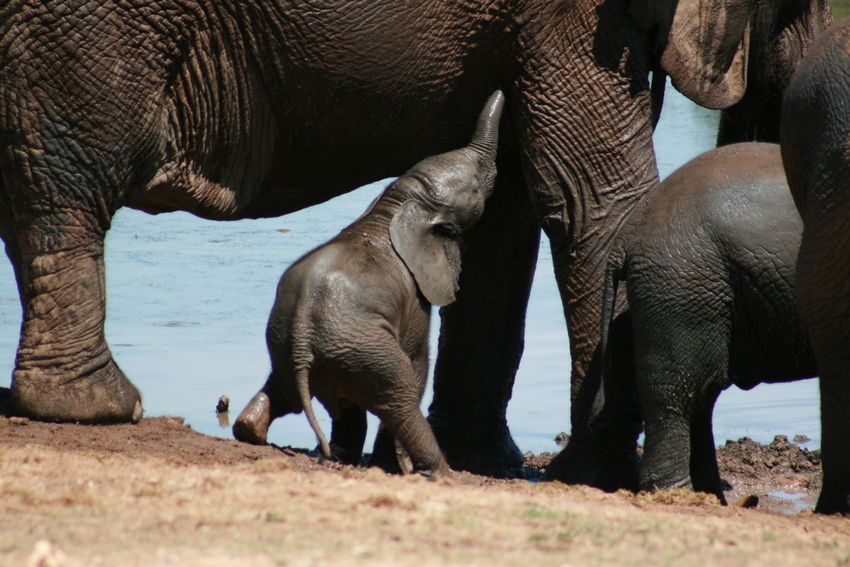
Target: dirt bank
(159,493)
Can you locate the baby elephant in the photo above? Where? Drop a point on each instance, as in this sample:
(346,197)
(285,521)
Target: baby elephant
(350,320)
(709,264)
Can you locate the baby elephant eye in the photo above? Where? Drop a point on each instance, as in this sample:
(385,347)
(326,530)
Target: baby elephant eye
(446,230)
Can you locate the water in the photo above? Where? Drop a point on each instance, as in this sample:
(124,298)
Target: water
(188,301)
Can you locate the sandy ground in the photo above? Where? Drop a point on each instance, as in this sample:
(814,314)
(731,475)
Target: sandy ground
(159,493)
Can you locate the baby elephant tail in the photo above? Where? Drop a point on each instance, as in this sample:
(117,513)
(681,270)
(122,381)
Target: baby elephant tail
(302,379)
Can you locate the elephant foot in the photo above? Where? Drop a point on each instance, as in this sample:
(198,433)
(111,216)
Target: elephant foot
(595,462)
(832,502)
(387,463)
(252,425)
(343,455)
(101,396)
(468,448)
(442,472)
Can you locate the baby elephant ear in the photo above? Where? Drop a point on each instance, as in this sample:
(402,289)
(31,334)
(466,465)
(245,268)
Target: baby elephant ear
(432,258)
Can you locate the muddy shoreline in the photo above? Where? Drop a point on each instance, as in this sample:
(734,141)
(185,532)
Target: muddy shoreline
(782,475)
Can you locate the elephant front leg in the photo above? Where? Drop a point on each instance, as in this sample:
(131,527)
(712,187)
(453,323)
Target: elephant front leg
(64,369)
(602,454)
(481,338)
(835,424)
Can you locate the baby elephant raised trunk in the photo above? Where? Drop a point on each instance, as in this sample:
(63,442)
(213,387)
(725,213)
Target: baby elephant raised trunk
(442,196)
(485,141)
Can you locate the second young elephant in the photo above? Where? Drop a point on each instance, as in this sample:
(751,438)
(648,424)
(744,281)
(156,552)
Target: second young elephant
(709,264)
(350,320)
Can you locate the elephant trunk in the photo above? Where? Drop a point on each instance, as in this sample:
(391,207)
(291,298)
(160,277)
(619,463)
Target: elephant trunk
(485,141)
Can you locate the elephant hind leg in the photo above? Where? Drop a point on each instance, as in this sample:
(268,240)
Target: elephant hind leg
(348,435)
(252,425)
(396,393)
(416,437)
(385,453)
(705,474)
(666,453)
(64,369)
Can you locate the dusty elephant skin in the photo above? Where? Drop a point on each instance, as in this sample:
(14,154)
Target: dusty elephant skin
(814,137)
(351,318)
(709,264)
(253,109)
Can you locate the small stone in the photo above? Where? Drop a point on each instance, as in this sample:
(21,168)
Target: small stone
(562,438)
(750,501)
(223,404)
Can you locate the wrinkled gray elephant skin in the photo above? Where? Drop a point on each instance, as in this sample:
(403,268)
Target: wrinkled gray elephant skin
(245,109)
(709,265)
(350,320)
(815,140)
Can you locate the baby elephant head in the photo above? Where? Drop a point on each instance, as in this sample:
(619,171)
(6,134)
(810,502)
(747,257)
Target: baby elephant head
(442,196)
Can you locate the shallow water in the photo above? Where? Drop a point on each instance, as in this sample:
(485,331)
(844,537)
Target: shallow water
(188,301)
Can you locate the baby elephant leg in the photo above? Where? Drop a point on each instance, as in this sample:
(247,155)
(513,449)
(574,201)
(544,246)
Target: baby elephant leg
(252,425)
(348,435)
(395,394)
(385,453)
(416,437)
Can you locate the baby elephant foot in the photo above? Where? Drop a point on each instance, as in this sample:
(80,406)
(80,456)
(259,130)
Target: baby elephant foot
(386,454)
(252,425)
(440,472)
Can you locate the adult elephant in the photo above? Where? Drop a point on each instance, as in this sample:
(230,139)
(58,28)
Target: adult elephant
(815,142)
(251,109)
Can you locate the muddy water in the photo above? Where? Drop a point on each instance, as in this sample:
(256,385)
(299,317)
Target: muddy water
(188,301)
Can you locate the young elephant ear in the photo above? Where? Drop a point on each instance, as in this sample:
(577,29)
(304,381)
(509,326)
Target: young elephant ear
(433,259)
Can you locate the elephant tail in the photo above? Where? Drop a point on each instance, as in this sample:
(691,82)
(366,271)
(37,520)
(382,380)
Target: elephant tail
(610,283)
(303,382)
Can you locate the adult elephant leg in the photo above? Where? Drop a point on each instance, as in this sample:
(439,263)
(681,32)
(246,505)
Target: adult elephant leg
(602,454)
(482,333)
(64,369)
(823,293)
(835,419)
